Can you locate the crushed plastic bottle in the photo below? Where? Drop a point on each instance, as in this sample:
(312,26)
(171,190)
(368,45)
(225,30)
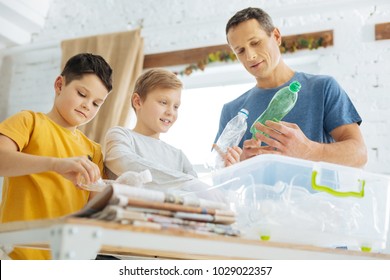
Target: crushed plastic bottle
(230,136)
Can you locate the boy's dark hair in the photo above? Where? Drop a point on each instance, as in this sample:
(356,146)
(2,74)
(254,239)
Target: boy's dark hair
(258,14)
(87,63)
(156,78)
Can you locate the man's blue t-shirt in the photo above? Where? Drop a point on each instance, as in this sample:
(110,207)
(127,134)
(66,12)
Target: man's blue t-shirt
(322,106)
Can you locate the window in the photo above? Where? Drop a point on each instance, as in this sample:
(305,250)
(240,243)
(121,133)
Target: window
(195,129)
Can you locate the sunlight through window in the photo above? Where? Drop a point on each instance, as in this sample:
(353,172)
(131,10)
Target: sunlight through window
(196,127)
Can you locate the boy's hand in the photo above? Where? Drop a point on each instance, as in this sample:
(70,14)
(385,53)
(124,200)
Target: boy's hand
(79,170)
(231,156)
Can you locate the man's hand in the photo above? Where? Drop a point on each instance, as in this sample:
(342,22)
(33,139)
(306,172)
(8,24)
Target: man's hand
(286,138)
(283,138)
(253,148)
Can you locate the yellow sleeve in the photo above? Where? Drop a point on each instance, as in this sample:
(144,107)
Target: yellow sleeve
(18,128)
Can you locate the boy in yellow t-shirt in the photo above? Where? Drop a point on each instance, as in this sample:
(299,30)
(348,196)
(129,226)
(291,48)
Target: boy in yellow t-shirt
(44,157)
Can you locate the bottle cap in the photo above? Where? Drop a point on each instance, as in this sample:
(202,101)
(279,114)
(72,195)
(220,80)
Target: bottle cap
(295,86)
(245,112)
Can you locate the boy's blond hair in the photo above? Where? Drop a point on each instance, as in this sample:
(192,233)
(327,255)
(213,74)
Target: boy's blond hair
(155,78)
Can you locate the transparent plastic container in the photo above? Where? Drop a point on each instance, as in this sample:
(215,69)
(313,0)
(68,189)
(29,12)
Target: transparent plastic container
(291,200)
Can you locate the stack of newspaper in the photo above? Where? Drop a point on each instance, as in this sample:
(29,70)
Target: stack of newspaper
(160,210)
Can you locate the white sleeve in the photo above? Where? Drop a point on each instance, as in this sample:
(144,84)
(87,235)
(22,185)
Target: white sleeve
(188,168)
(121,156)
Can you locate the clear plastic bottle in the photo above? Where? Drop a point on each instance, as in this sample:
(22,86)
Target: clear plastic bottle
(279,106)
(230,136)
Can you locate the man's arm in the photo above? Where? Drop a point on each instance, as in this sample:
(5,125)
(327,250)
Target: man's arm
(15,163)
(288,139)
(349,148)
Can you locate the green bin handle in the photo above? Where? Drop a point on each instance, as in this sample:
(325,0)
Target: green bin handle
(334,192)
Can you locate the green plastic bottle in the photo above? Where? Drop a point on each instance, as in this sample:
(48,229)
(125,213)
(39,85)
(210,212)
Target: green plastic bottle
(279,106)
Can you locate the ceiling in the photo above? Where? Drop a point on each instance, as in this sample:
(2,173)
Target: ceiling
(20,19)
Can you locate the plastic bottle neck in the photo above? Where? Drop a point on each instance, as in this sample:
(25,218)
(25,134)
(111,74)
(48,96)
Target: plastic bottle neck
(244,113)
(295,86)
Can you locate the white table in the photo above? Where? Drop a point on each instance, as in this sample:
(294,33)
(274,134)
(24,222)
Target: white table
(76,238)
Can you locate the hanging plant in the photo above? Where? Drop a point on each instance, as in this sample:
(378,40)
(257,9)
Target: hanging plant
(218,56)
(289,44)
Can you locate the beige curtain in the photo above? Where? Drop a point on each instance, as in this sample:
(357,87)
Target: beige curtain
(124,52)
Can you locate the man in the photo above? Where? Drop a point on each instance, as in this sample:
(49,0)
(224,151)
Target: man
(323,125)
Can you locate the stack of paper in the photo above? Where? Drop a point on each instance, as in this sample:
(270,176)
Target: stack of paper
(160,210)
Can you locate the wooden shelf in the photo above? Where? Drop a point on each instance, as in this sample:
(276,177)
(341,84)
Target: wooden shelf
(382,31)
(289,44)
(181,57)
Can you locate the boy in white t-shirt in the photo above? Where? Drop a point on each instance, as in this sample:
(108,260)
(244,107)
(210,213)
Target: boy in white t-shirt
(156,101)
